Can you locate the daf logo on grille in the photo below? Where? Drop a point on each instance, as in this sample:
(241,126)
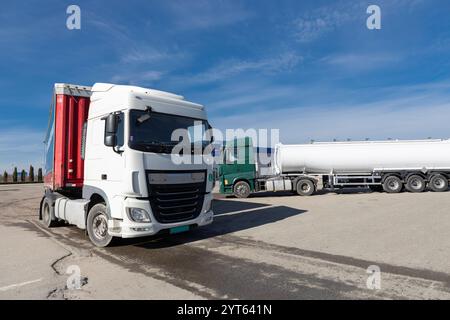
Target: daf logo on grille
(176,178)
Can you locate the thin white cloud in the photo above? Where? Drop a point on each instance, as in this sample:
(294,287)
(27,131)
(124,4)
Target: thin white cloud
(229,68)
(138,63)
(361,61)
(313,24)
(410,112)
(137,78)
(146,54)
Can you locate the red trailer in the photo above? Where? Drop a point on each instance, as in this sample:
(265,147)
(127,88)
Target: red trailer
(64,164)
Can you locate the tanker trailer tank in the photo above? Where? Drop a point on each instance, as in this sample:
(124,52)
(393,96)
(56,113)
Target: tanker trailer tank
(390,164)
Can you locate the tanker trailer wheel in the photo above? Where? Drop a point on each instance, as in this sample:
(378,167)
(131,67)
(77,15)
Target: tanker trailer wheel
(392,184)
(97,226)
(241,189)
(438,183)
(305,187)
(415,183)
(47,214)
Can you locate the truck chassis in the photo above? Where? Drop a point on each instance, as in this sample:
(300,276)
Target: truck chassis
(390,181)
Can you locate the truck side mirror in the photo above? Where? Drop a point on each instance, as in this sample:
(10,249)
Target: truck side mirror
(110,140)
(111,125)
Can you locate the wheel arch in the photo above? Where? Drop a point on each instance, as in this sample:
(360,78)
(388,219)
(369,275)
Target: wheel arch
(390,174)
(96,196)
(239,179)
(304,177)
(416,173)
(52,196)
(436,173)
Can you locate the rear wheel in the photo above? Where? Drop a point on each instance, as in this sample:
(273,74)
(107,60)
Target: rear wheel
(392,184)
(241,189)
(305,187)
(47,213)
(438,183)
(415,183)
(97,226)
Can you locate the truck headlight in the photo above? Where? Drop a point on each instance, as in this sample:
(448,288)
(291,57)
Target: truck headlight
(138,215)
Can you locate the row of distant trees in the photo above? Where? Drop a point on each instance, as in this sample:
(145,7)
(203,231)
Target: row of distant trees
(22,176)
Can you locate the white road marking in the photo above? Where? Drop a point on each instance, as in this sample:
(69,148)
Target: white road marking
(246,210)
(12,286)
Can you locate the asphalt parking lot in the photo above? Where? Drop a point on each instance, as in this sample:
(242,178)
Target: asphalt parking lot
(276,246)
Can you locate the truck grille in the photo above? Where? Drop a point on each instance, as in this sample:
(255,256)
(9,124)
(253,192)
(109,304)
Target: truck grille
(176,202)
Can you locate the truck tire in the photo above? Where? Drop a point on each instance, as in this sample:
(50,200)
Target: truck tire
(305,187)
(97,226)
(241,189)
(438,183)
(415,183)
(392,184)
(48,216)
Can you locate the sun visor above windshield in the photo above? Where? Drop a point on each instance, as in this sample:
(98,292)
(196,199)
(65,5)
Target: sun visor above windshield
(167,105)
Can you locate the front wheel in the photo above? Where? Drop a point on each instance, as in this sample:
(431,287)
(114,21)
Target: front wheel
(305,187)
(97,226)
(241,189)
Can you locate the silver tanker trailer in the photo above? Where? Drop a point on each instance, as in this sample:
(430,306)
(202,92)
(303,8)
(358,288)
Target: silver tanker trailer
(392,166)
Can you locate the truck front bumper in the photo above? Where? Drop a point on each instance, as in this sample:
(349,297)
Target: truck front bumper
(126,228)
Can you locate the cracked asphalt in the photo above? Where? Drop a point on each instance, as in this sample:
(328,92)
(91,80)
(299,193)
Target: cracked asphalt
(275,246)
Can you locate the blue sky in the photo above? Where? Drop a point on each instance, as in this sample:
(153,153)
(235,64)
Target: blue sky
(310,68)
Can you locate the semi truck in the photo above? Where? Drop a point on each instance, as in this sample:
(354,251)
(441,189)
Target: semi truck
(109,168)
(391,165)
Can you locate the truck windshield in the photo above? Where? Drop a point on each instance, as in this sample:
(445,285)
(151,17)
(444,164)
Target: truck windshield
(152,131)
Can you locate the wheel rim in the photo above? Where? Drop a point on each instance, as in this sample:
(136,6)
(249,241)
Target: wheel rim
(416,183)
(305,187)
(242,189)
(393,184)
(439,183)
(100,226)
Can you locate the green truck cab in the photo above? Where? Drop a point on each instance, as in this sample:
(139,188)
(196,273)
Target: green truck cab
(237,173)
(244,168)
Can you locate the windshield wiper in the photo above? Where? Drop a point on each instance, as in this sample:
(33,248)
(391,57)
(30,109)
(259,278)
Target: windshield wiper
(158,145)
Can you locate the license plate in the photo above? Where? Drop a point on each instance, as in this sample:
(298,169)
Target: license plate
(179,229)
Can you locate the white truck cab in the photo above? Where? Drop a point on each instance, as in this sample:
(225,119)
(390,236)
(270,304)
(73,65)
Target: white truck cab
(131,185)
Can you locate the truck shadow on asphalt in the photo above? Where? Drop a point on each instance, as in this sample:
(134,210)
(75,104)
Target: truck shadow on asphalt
(281,194)
(229,216)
